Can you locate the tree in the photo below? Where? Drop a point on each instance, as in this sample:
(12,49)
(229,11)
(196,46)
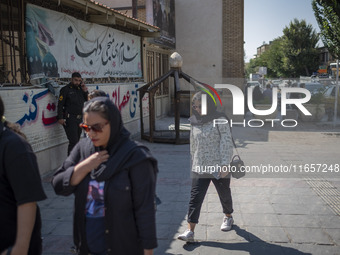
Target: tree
(299,48)
(327,14)
(290,55)
(274,58)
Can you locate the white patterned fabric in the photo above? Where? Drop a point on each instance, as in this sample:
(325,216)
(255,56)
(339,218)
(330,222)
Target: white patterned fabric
(210,146)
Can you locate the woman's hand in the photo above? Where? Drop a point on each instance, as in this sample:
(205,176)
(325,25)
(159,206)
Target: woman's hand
(148,252)
(95,160)
(223,174)
(16,251)
(87,165)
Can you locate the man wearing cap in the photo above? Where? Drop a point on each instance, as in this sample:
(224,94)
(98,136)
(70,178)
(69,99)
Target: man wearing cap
(70,106)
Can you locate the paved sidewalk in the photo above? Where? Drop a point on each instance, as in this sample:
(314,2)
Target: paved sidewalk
(297,213)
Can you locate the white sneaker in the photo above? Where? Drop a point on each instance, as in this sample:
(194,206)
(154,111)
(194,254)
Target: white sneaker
(227,223)
(187,236)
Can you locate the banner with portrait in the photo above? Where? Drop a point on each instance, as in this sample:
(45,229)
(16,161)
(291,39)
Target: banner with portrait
(164,18)
(58,45)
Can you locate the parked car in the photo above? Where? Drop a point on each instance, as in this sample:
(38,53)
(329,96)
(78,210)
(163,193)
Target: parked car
(253,84)
(330,91)
(276,83)
(314,87)
(329,95)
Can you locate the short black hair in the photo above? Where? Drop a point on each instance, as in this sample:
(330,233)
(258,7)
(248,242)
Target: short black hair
(76,74)
(97,93)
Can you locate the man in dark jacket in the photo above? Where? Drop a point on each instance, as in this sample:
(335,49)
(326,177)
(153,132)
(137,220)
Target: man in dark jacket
(70,105)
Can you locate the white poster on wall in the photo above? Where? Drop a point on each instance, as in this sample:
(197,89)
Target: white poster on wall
(58,45)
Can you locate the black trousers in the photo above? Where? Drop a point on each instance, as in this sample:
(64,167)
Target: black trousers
(199,187)
(73,131)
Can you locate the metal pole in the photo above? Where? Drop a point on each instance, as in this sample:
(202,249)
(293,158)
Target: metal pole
(336,93)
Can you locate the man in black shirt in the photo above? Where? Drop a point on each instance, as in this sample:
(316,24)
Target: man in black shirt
(70,107)
(20,190)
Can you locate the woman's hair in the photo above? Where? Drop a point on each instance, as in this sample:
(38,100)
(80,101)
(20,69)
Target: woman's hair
(97,93)
(12,126)
(106,109)
(196,97)
(98,107)
(211,107)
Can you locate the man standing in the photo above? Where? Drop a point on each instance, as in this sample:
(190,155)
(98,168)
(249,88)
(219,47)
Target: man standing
(70,107)
(268,92)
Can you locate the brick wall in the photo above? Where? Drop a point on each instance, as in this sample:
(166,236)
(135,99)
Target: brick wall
(141,14)
(233,53)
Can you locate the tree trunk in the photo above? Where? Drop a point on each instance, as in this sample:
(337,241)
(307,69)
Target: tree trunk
(307,72)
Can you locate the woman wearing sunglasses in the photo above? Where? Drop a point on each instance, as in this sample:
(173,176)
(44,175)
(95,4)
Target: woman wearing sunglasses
(113,180)
(209,146)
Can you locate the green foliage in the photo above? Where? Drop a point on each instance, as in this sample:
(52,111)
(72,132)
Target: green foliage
(327,14)
(274,57)
(290,55)
(299,49)
(251,67)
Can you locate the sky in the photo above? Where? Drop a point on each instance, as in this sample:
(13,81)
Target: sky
(264,20)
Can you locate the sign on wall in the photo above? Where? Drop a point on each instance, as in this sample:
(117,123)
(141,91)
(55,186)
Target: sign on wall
(164,18)
(35,110)
(58,45)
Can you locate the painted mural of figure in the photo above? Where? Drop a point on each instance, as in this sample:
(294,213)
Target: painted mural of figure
(41,62)
(157,14)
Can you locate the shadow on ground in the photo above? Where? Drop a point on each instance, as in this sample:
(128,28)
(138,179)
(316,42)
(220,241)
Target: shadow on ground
(258,247)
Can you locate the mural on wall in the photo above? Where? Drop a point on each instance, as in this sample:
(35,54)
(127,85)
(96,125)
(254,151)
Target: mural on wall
(58,45)
(36,111)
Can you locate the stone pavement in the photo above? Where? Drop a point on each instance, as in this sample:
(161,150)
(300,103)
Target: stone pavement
(291,213)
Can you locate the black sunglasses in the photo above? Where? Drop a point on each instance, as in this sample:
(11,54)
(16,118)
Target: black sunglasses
(95,128)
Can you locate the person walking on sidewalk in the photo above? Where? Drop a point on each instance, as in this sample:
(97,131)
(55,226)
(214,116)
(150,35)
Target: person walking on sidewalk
(209,146)
(20,189)
(70,105)
(113,180)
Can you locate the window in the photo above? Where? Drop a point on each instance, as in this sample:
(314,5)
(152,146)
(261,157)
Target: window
(12,62)
(158,65)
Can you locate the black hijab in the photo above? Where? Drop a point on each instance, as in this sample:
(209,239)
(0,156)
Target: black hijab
(123,152)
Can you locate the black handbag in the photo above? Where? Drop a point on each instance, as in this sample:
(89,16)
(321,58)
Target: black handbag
(237,167)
